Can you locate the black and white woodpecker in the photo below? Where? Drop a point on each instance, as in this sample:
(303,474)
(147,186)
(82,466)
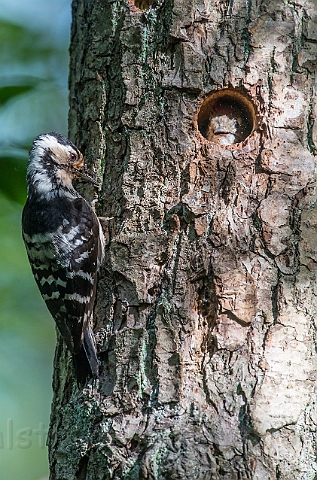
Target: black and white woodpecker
(64,243)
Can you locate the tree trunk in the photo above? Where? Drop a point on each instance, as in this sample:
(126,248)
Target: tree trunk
(205,319)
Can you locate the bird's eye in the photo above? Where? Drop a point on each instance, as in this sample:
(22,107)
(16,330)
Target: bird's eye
(72,156)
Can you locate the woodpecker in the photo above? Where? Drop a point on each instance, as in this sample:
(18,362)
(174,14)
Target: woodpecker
(65,244)
(222,130)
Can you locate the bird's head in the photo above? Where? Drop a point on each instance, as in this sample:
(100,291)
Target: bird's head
(222,130)
(54,162)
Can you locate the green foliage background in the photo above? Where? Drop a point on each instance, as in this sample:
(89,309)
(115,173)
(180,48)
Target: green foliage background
(33,99)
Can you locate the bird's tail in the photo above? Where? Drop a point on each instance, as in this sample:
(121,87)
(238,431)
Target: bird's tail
(86,362)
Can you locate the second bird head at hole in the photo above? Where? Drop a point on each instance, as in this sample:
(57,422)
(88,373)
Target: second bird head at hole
(223,129)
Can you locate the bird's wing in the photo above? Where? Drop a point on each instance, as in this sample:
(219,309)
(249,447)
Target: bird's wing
(77,246)
(65,248)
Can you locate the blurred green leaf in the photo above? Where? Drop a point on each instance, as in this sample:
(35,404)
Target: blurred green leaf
(33,99)
(42,109)
(19,43)
(10,91)
(12,178)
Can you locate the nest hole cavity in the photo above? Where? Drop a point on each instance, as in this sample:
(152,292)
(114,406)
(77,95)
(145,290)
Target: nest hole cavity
(226,117)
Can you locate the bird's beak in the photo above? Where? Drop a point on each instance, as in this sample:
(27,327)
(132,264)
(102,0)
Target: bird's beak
(86,176)
(80,172)
(220,130)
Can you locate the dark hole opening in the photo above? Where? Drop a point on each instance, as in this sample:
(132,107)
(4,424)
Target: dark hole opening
(226,117)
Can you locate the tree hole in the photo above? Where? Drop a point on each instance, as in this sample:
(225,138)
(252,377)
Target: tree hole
(141,5)
(226,117)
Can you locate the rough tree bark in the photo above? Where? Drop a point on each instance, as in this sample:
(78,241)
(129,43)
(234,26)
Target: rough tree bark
(206,312)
